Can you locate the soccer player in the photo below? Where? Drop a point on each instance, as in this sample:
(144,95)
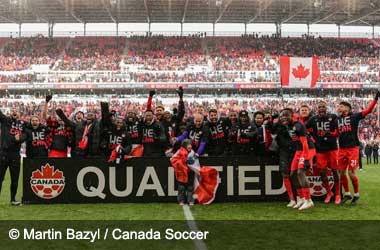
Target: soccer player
(10,143)
(243,135)
(153,136)
(198,132)
(61,135)
(304,113)
(304,153)
(286,154)
(36,138)
(113,133)
(218,127)
(87,137)
(323,127)
(348,158)
(134,128)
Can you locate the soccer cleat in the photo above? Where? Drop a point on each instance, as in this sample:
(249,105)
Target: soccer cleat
(181,203)
(15,203)
(300,202)
(191,204)
(346,198)
(306,205)
(337,200)
(328,197)
(311,202)
(292,203)
(355,200)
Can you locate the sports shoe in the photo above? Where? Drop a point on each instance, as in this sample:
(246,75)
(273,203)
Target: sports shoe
(191,204)
(306,205)
(15,203)
(337,200)
(328,197)
(292,203)
(346,198)
(355,200)
(181,203)
(300,202)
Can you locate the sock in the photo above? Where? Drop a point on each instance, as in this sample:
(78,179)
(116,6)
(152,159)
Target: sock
(344,181)
(306,193)
(300,193)
(326,185)
(337,188)
(288,186)
(355,183)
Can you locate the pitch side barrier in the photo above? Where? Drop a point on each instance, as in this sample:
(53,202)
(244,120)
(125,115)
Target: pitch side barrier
(145,180)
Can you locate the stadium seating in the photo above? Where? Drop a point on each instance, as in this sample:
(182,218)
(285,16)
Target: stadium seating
(187,59)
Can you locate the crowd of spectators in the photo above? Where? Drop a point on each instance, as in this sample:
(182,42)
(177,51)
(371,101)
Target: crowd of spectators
(172,59)
(92,53)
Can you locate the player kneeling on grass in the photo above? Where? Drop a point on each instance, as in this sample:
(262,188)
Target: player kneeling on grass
(304,153)
(193,179)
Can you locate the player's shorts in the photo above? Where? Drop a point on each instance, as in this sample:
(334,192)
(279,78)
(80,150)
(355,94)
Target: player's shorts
(348,158)
(57,154)
(285,160)
(328,159)
(298,161)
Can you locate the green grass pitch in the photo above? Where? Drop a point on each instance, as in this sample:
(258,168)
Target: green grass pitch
(251,225)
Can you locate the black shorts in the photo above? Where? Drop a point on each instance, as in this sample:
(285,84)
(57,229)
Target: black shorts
(285,160)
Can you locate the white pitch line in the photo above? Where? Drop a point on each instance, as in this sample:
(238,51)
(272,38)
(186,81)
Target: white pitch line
(199,244)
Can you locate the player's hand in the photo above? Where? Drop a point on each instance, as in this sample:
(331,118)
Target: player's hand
(173,141)
(180,92)
(48,98)
(59,112)
(152,93)
(377,95)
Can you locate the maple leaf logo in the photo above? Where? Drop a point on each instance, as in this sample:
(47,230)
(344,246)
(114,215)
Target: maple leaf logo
(47,183)
(47,173)
(300,72)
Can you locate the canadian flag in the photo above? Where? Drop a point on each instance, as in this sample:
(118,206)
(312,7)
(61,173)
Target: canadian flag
(206,179)
(299,72)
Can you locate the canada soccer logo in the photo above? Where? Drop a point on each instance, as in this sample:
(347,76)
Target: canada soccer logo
(315,180)
(47,183)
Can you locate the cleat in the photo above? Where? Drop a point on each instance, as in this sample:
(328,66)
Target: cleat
(306,205)
(346,198)
(354,201)
(292,203)
(191,204)
(299,204)
(182,204)
(15,203)
(328,197)
(311,203)
(337,200)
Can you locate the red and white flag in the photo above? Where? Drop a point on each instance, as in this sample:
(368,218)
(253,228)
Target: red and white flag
(299,72)
(206,179)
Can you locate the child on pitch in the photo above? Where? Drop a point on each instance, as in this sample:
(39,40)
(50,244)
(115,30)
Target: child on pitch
(180,161)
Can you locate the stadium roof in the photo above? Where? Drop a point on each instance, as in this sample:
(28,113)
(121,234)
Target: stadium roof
(344,12)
